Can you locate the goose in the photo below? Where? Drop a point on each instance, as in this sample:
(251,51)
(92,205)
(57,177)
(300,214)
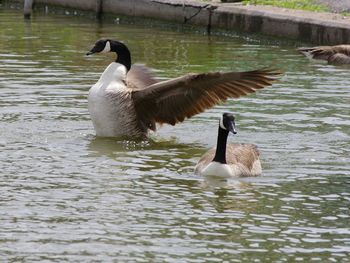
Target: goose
(229,160)
(127,101)
(339,54)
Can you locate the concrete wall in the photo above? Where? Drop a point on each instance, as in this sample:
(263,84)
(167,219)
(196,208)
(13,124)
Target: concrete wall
(171,10)
(223,16)
(288,26)
(160,9)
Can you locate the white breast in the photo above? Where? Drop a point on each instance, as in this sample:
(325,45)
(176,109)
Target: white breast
(218,170)
(110,105)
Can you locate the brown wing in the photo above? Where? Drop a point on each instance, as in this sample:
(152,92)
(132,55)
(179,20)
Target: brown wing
(246,154)
(139,77)
(174,100)
(342,49)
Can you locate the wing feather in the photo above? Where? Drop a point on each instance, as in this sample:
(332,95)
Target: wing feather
(139,77)
(174,100)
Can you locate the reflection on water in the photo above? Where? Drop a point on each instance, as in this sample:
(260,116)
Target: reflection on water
(69,196)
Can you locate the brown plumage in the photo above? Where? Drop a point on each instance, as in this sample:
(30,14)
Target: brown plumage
(339,54)
(139,76)
(174,100)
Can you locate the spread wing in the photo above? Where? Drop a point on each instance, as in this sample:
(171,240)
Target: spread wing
(174,100)
(139,77)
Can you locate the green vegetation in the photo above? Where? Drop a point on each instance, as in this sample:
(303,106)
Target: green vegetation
(308,5)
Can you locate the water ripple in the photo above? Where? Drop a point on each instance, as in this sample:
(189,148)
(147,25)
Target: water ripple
(69,196)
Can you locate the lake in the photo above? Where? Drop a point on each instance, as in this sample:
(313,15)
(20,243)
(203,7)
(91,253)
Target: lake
(66,195)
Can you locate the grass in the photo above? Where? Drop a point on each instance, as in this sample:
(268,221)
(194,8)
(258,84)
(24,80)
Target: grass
(307,5)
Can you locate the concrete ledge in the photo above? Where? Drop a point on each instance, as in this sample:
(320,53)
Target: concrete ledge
(318,28)
(171,10)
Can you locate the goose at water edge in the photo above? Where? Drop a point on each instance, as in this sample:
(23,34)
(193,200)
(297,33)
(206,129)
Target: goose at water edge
(128,102)
(229,160)
(339,54)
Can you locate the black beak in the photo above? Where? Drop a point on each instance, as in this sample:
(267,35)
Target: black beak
(92,51)
(232,127)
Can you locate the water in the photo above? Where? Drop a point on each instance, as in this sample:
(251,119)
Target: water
(66,195)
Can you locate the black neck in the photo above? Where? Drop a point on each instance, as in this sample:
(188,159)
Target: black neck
(220,154)
(123,54)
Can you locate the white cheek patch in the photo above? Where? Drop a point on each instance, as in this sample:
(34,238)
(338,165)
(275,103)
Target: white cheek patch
(107,47)
(222,123)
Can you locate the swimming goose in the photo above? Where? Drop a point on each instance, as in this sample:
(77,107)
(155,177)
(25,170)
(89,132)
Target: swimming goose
(229,160)
(339,54)
(128,101)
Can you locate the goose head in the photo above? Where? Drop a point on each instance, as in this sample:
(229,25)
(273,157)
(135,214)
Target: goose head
(109,45)
(227,123)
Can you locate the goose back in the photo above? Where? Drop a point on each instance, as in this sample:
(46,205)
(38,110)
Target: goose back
(139,77)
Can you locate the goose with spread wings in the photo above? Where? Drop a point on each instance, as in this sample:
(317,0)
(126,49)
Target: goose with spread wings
(127,101)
